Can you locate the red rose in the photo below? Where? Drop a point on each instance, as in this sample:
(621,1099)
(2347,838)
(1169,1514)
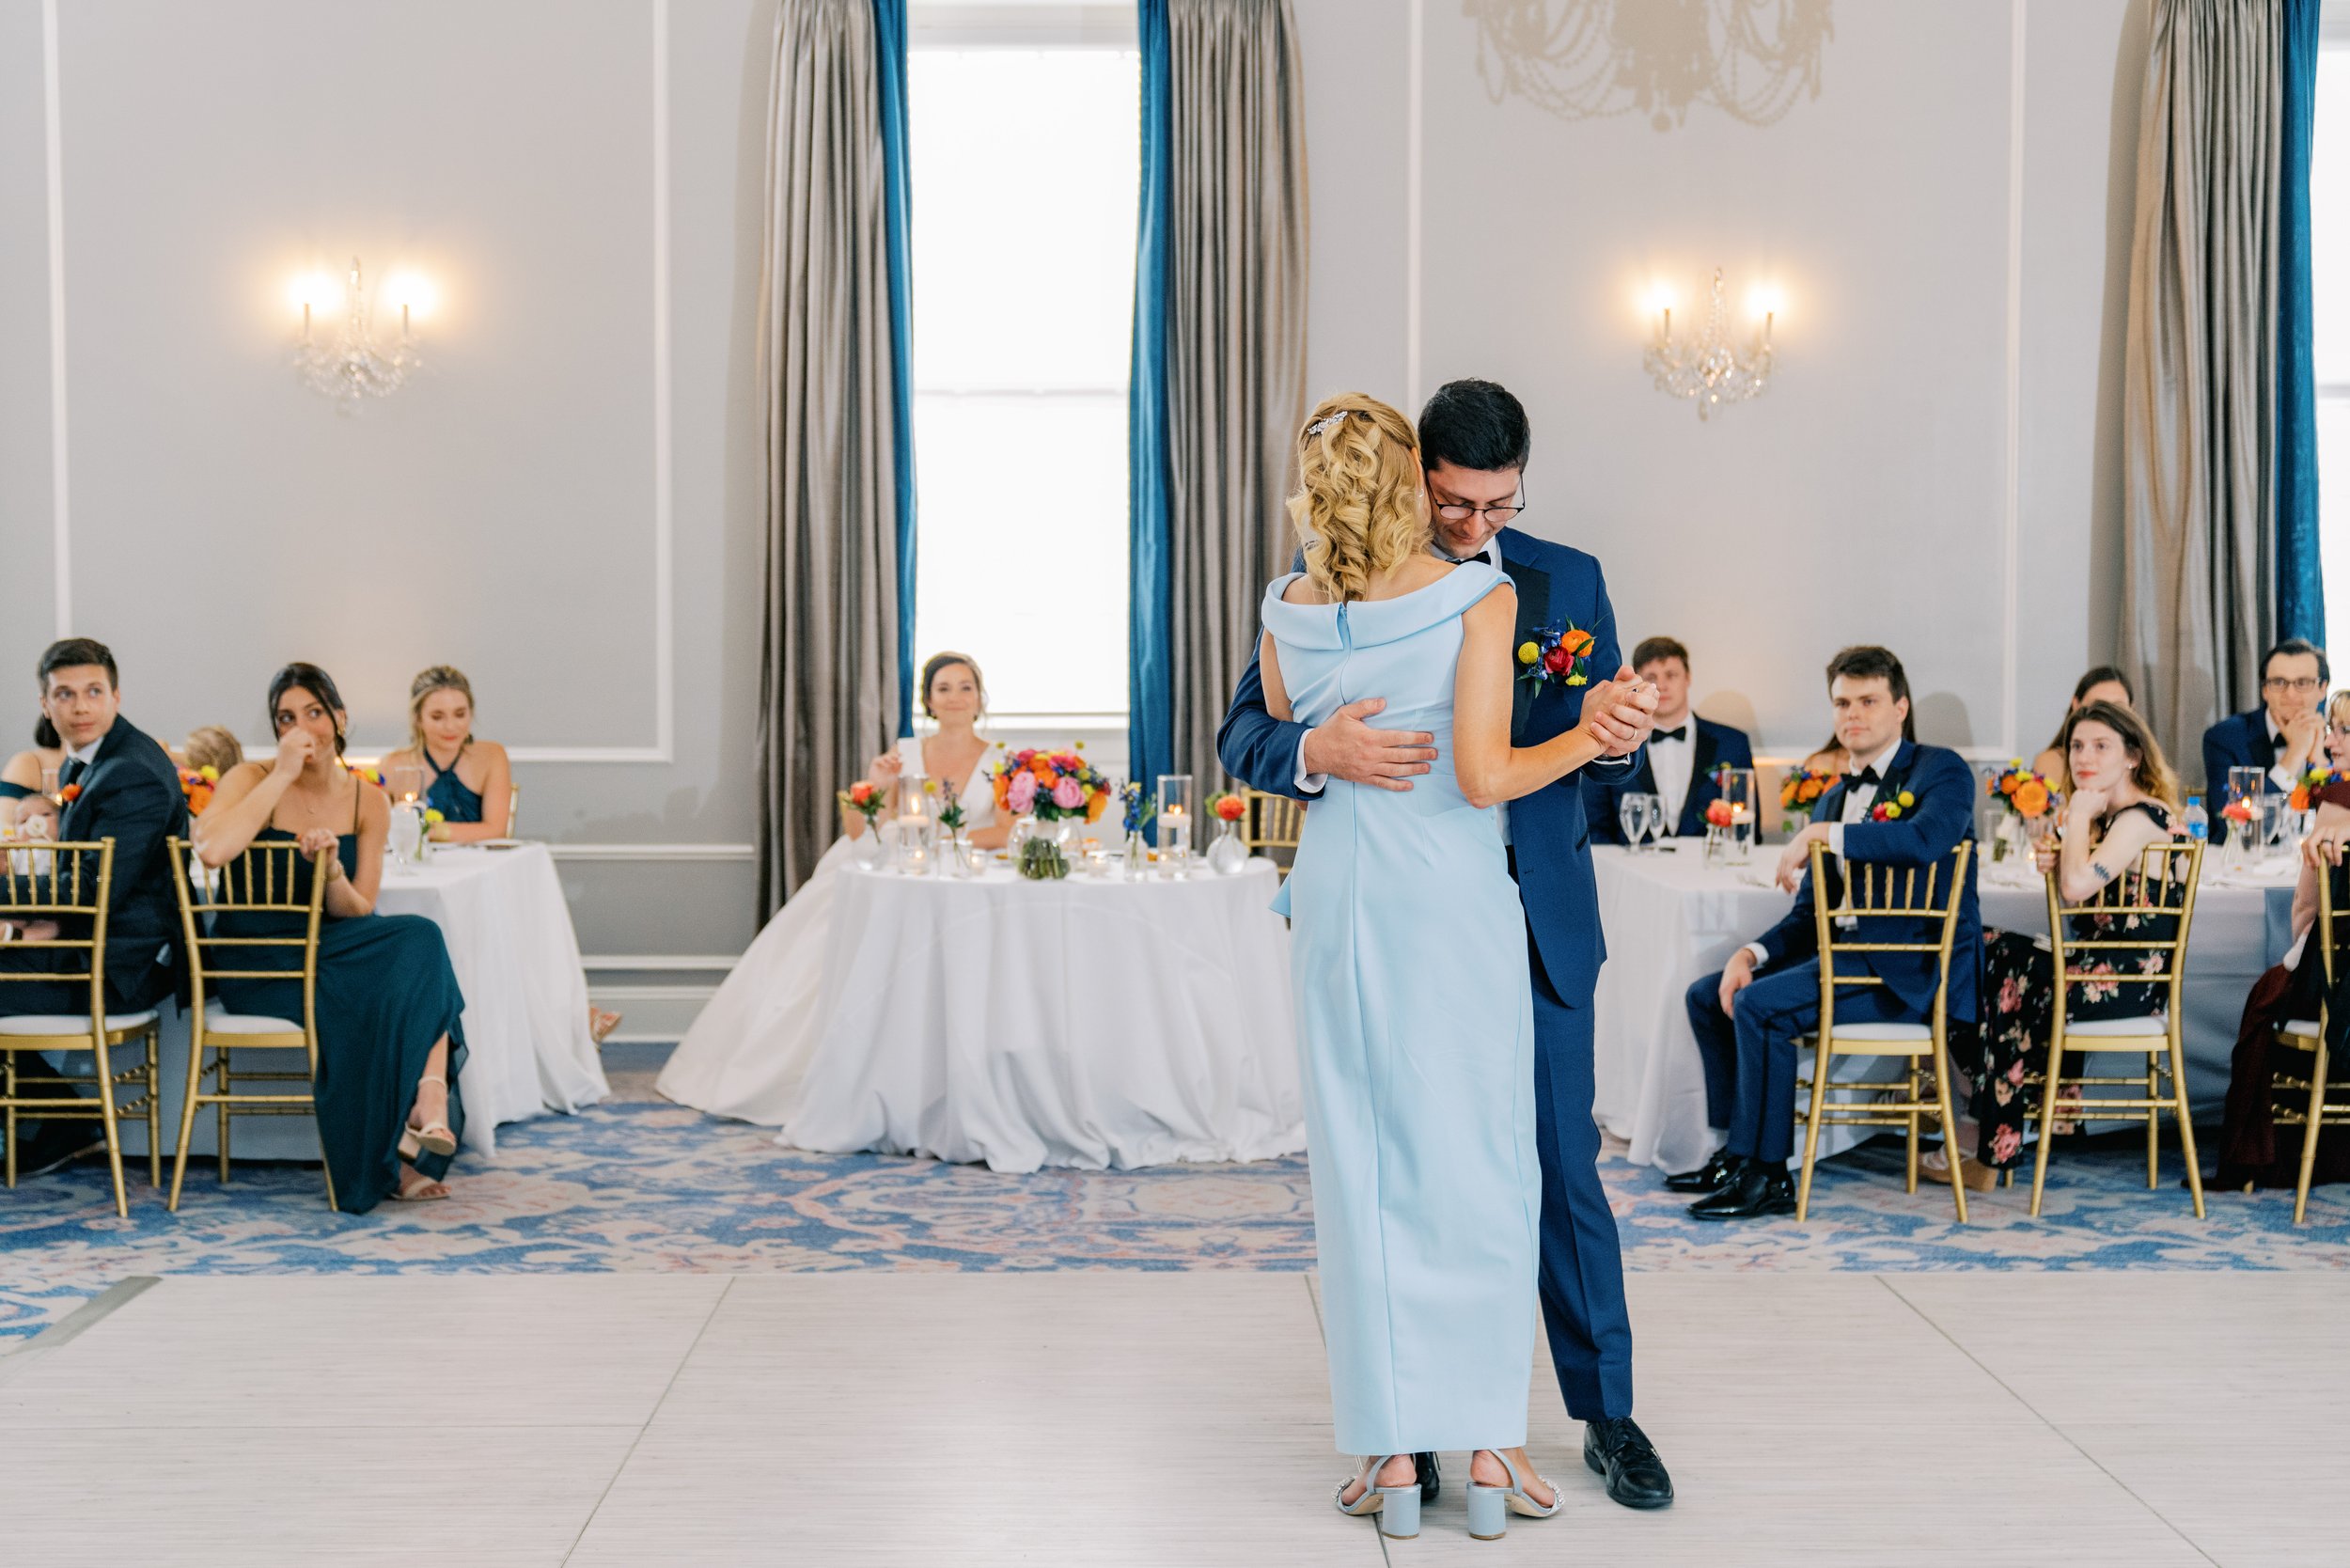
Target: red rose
(1558,659)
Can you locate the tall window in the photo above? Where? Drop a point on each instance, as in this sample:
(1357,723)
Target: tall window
(2329,307)
(1024,178)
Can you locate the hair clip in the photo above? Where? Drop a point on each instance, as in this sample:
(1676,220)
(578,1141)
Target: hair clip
(1327,421)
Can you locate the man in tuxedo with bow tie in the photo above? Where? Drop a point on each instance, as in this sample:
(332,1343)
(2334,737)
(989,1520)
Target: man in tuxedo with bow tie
(119,784)
(1901,804)
(2284,736)
(1677,764)
(1475,440)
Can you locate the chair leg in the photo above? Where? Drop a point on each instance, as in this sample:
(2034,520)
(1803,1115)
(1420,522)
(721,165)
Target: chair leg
(1916,1088)
(220,1059)
(1951,1156)
(2309,1137)
(155,1108)
(2047,1123)
(1820,1064)
(114,1130)
(2186,1119)
(7,1092)
(187,1120)
(2154,1128)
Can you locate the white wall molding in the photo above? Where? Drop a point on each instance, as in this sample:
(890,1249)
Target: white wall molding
(654,852)
(2012,507)
(663,748)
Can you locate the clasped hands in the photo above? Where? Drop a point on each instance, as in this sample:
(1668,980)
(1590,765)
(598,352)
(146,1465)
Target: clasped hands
(1618,713)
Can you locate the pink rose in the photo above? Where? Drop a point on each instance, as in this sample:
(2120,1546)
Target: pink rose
(1023,793)
(2005,1143)
(1069,794)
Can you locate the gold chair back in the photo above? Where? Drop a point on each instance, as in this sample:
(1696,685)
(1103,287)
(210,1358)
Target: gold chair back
(72,882)
(2305,1093)
(2160,886)
(266,879)
(513,812)
(1871,908)
(1274,826)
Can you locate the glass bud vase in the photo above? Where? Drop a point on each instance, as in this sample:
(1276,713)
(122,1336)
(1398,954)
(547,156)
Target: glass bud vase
(1230,853)
(1138,857)
(868,848)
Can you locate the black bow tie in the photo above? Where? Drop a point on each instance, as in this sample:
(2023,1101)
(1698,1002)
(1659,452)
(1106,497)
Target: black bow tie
(2277,742)
(1678,732)
(71,772)
(1869,775)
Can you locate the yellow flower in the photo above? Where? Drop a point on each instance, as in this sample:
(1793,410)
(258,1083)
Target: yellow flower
(1527,653)
(1892,811)
(1907,798)
(1578,681)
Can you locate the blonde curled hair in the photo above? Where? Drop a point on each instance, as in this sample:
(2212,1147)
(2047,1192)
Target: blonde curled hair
(439,678)
(1358,509)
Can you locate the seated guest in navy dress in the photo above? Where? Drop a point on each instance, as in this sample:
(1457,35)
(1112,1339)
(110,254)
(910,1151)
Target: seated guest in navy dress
(469,781)
(390,1046)
(22,775)
(2105,684)
(1902,805)
(1678,764)
(2285,735)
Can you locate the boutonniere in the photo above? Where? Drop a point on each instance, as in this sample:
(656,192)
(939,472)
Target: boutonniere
(1890,805)
(2313,781)
(67,796)
(1556,654)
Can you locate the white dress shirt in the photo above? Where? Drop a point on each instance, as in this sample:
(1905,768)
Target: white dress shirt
(1673,762)
(2281,775)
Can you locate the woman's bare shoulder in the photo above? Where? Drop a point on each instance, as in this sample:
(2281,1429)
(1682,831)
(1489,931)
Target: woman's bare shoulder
(23,768)
(1302,589)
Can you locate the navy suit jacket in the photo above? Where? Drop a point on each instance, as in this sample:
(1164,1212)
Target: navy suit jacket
(1548,829)
(1713,745)
(130,793)
(2238,741)
(1941,817)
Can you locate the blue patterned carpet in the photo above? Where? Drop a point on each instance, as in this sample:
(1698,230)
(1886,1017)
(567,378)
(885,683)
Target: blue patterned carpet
(640,1186)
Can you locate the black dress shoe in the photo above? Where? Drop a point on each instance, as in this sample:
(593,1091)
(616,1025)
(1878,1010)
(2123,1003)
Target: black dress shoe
(1616,1448)
(1758,1189)
(1712,1176)
(54,1145)
(1428,1482)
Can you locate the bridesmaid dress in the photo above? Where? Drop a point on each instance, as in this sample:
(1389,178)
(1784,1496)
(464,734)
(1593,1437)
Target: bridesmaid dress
(1415,1027)
(385,996)
(447,793)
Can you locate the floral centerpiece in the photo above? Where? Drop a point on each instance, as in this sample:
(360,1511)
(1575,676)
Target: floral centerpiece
(196,786)
(1801,790)
(2305,793)
(1049,788)
(2021,792)
(1556,654)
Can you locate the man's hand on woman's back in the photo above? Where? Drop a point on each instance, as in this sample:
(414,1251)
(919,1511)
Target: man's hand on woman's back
(1346,748)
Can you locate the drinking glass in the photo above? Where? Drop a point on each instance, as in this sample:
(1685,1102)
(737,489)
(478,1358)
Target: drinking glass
(1652,818)
(1174,824)
(49,785)
(1632,816)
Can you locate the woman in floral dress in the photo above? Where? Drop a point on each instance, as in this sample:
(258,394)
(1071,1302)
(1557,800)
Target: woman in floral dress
(2124,798)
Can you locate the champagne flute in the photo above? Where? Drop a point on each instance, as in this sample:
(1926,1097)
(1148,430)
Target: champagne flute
(1632,816)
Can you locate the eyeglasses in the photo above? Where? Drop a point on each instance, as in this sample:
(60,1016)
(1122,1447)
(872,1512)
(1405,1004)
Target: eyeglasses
(2300,687)
(1461,511)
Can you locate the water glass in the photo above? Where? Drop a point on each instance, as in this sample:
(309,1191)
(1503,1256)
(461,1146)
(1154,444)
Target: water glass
(1632,815)
(1174,824)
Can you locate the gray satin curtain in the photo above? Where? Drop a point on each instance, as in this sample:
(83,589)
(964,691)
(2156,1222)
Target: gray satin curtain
(829,667)
(1236,341)
(2199,382)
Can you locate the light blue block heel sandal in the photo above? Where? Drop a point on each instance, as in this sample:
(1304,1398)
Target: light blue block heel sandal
(1490,1506)
(1398,1507)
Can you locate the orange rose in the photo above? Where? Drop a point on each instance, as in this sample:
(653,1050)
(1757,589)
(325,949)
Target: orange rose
(1096,804)
(1043,768)
(2031,797)
(1003,791)
(2299,799)
(1577,643)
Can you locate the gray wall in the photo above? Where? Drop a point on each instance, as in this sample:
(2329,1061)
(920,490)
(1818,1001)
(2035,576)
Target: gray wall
(584,439)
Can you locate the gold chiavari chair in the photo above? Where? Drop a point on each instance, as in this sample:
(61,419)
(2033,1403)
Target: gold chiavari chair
(69,883)
(265,879)
(2307,1093)
(2162,888)
(1873,896)
(513,812)
(1273,828)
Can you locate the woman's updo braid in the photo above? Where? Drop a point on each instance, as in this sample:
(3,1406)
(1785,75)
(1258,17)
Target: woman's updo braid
(1357,509)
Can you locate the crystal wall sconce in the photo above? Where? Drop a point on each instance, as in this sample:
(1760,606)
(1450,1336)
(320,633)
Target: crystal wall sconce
(353,366)
(1711,369)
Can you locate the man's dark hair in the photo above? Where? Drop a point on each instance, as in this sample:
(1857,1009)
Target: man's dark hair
(1865,661)
(1659,648)
(2293,648)
(77,651)
(1473,424)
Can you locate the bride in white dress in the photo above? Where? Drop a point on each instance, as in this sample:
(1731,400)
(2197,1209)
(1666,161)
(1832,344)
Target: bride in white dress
(747,1053)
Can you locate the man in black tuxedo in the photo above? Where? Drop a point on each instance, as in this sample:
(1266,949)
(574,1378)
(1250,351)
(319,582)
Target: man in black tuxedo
(2284,736)
(119,784)
(1683,751)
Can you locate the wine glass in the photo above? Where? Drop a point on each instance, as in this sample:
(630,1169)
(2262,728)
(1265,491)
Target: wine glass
(1632,816)
(1652,818)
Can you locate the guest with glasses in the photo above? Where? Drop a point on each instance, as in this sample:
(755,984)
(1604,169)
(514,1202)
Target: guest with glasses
(2284,736)
(1682,752)
(2105,684)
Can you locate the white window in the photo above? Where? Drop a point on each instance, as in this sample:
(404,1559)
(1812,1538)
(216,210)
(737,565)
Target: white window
(2329,305)
(1024,171)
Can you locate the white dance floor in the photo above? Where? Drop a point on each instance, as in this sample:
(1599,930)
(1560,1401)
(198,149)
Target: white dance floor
(1175,1419)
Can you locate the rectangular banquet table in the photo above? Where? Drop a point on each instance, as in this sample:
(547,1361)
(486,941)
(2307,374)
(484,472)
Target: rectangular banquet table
(1090,1022)
(509,939)
(1671,920)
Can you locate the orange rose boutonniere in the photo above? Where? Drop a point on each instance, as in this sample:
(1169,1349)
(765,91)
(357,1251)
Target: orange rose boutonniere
(67,796)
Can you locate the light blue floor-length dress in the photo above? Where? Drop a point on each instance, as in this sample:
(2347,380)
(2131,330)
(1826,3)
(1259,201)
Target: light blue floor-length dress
(1415,1024)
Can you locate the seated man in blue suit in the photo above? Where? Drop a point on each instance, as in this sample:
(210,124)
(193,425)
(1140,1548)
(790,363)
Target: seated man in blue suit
(1902,804)
(1474,441)
(1677,764)
(2284,736)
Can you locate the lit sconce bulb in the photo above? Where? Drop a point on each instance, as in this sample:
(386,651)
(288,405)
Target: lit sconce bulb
(1766,301)
(1660,305)
(414,295)
(312,292)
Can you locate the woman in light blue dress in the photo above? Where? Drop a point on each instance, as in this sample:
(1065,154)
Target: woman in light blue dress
(1414,1013)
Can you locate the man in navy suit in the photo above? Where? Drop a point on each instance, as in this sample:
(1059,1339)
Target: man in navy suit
(1902,804)
(2284,737)
(1677,764)
(121,785)
(1474,443)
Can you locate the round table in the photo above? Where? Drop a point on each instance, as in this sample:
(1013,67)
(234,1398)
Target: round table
(1090,1022)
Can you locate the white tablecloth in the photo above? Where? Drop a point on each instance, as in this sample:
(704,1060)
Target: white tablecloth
(1670,919)
(510,941)
(1085,1022)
